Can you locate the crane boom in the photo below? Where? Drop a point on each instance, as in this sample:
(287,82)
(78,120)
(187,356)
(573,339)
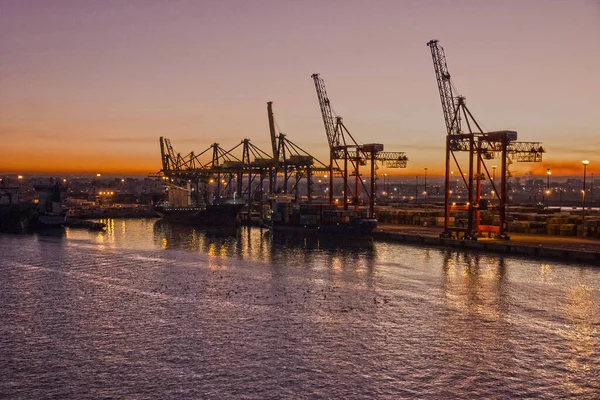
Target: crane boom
(272,131)
(333,137)
(449,106)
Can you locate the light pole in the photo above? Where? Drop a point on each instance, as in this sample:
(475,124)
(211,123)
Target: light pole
(548,172)
(426,195)
(417,190)
(585,164)
(494,172)
(385,183)
(592,191)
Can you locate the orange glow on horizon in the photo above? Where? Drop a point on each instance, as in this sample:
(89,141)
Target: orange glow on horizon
(144,166)
(81,166)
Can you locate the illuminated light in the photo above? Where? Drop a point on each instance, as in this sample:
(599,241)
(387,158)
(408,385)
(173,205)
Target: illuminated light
(585,162)
(122,180)
(98,175)
(20,177)
(211,181)
(212,250)
(64,180)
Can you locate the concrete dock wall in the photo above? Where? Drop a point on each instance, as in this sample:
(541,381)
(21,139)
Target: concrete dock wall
(504,247)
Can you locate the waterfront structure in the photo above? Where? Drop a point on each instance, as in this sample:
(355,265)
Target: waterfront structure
(480,146)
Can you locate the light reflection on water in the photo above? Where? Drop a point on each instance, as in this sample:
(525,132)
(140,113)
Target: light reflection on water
(152,309)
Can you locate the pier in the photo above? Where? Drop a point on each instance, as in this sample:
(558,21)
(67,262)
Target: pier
(577,249)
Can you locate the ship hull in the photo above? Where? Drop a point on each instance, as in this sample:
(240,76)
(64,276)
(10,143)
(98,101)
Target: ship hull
(355,227)
(218,215)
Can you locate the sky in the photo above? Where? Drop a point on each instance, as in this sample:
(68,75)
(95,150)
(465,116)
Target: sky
(90,86)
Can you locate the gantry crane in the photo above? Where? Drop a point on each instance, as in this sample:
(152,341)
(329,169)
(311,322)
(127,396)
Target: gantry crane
(480,146)
(291,160)
(252,163)
(344,147)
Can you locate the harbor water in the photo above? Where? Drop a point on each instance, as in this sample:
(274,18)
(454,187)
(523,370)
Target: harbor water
(147,309)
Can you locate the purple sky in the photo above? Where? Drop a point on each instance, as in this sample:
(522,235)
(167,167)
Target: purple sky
(102,80)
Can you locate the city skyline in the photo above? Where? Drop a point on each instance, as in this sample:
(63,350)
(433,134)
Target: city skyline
(90,87)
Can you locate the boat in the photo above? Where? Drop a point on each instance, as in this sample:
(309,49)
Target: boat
(355,226)
(319,219)
(49,213)
(221,214)
(52,219)
(14,216)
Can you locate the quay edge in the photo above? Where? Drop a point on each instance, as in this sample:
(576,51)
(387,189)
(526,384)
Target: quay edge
(503,247)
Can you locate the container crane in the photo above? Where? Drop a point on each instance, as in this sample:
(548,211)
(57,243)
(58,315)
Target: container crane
(294,160)
(480,146)
(344,147)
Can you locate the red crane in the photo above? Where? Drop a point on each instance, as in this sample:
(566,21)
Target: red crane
(480,146)
(344,147)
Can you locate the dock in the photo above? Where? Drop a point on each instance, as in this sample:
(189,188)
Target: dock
(577,249)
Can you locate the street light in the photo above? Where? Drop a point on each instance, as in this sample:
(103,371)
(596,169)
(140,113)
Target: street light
(592,191)
(548,173)
(425,192)
(417,189)
(385,182)
(494,172)
(585,164)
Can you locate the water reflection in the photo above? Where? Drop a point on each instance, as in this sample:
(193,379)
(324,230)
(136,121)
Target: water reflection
(250,242)
(55,231)
(340,257)
(582,329)
(475,292)
(153,301)
(475,283)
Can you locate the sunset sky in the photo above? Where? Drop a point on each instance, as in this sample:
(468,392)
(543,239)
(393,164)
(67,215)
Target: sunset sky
(90,86)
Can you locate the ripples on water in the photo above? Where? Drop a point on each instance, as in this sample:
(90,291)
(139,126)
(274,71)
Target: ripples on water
(153,310)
